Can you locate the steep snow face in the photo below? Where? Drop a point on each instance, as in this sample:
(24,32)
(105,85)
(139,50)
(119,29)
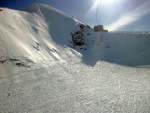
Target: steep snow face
(32,37)
(60,25)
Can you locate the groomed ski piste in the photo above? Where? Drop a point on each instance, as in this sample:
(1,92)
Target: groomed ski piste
(42,71)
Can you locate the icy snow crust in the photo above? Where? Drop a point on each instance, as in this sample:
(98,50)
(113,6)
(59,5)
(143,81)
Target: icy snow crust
(40,72)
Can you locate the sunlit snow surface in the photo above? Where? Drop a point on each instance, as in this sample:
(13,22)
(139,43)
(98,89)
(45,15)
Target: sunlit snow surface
(74,87)
(40,73)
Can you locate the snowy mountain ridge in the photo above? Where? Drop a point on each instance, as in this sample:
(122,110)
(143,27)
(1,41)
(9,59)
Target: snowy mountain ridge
(44,33)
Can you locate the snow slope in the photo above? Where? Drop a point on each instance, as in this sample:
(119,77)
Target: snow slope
(40,72)
(34,36)
(122,48)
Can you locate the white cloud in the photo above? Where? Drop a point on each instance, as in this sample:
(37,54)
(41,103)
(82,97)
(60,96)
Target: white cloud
(129,18)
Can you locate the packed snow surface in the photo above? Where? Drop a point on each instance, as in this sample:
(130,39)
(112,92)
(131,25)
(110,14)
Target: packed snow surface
(41,71)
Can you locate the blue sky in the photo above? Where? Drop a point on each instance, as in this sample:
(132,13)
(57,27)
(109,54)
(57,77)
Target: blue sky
(115,15)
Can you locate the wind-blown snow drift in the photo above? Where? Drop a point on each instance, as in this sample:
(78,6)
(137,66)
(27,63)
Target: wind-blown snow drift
(40,72)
